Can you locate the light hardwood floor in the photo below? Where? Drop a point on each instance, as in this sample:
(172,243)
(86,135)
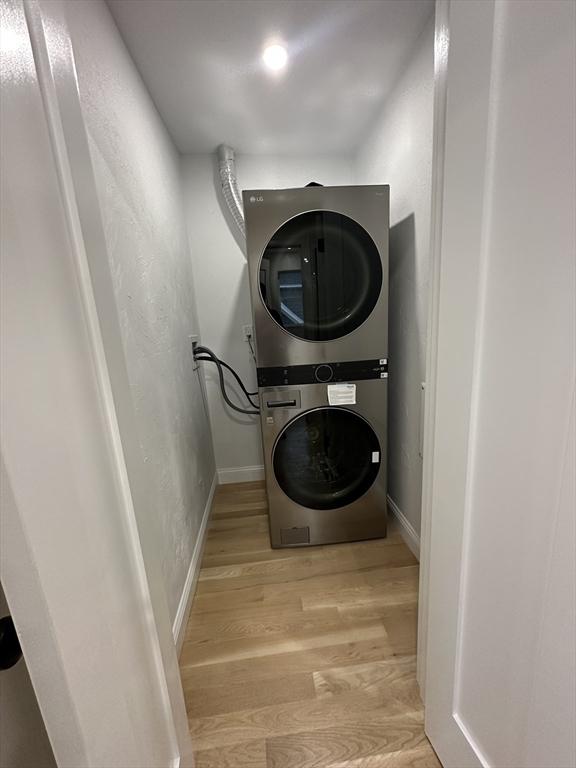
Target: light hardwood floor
(301,658)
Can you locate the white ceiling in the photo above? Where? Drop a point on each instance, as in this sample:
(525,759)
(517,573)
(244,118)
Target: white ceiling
(200,60)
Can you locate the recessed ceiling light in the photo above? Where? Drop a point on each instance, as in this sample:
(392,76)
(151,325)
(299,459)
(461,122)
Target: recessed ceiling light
(275,57)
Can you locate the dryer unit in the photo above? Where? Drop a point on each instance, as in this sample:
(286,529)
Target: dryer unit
(325,464)
(318,266)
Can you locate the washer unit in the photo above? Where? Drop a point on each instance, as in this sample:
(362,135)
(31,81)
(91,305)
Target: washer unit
(318,266)
(325,465)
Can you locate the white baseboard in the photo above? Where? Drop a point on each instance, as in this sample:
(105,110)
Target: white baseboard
(183,761)
(407,530)
(183,612)
(240,474)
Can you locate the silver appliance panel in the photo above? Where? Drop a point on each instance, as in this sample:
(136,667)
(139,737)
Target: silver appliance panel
(266,211)
(292,524)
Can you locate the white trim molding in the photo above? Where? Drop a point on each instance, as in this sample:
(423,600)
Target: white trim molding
(240,474)
(441,53)
(407,530)
(189,589)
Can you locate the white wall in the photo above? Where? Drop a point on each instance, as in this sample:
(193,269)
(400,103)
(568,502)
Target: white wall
(398,151)
(221,283)
(137,173)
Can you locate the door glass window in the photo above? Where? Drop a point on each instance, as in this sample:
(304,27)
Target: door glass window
(326,458)
(320,275)
(291,304)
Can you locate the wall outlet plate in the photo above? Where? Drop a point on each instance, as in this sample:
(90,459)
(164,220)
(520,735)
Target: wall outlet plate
(194,341)
(247,333)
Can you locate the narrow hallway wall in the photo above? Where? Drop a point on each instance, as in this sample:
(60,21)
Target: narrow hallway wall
(398,151)
(138,177)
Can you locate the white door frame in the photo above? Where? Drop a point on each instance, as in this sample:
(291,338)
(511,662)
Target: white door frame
(477,81)
(473,79)
(79,561)
(446,455)
(441,50)
(483,115)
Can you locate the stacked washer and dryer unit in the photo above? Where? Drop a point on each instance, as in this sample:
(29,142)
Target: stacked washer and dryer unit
(318,267)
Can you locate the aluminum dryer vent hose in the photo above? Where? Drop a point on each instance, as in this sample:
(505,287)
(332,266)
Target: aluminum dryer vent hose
(227,168)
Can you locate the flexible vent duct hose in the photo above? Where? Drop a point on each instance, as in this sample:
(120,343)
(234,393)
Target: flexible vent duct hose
(227,168)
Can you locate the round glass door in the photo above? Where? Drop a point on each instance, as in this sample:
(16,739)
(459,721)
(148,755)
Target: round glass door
(320,275)
(326,458)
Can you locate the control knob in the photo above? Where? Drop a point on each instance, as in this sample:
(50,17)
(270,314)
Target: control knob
(323,373)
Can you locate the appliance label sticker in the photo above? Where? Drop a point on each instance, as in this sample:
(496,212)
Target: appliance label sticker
(375,457)
(341,394)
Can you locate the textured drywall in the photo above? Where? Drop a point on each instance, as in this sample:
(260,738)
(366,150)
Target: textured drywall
(138,177)
(398,151)
(221,283)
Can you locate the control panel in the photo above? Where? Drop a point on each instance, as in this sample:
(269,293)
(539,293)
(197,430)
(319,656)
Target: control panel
(323,373)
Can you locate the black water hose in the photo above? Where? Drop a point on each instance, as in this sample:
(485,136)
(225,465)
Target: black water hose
(211,356)
(206,355)
(249,395)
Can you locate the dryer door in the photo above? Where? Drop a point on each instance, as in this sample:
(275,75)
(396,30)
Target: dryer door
(320,275)
(326,458)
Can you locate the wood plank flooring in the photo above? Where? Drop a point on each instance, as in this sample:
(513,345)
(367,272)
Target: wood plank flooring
(301,658)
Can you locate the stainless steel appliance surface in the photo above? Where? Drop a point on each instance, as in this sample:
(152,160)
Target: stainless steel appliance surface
(318,270)
(325,464)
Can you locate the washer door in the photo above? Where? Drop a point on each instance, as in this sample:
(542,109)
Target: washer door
(320,275)
(326,458)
